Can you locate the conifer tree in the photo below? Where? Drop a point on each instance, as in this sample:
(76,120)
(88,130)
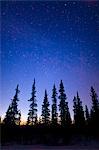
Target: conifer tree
(75,109)
(13,115)
(87,115)
(62,105)
(65,118)
(9,116)
(95,108)
(79,118)
(32,115)
(54,106)
(68,116)
(45,110)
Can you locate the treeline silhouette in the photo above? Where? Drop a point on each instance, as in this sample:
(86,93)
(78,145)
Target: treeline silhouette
(51,127)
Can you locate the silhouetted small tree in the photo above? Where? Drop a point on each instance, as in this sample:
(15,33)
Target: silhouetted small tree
(45,110)
(68,116)
(54,106)
(65,118)
(32,115)
(95,108)
(13,115)
(79,118)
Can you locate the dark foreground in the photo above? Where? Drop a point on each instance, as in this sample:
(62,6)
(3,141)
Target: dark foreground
(45,138)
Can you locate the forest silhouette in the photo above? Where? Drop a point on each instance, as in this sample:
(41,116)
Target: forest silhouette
(51,128)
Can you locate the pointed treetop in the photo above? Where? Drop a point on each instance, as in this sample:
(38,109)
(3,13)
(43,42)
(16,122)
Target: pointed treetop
(45,92)
(61,85)
(61,82)
(34,80)
(13,115)
(77,95)
(54,87)
(33,83)
(17,88)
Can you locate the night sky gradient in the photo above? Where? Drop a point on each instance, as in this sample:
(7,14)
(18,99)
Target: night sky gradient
(48,41)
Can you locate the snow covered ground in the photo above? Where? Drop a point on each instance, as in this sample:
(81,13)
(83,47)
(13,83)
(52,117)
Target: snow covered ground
(32,147)
(91,144)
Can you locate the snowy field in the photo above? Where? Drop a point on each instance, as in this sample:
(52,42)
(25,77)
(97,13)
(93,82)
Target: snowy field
(30,147)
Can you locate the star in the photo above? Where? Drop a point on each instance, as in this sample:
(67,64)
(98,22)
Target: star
(65,4)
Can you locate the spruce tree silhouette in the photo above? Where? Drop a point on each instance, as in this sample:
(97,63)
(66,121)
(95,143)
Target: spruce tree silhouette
(9,116)
(32,115)
(95,108)
(65,118)
(45,110)
(79,118)
(87,115)
(13,115)
(54,106)
(68,116)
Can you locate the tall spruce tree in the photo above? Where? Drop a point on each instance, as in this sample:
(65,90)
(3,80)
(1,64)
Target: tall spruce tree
(62,105)
(54,106)
(32,115)
(13,115)
(65,118)
(95,108)
(79,118)
(45,110)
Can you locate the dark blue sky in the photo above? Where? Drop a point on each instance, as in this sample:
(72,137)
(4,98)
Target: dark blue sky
(49,41)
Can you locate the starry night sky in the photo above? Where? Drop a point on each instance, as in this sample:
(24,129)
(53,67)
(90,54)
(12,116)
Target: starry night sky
(48,41)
